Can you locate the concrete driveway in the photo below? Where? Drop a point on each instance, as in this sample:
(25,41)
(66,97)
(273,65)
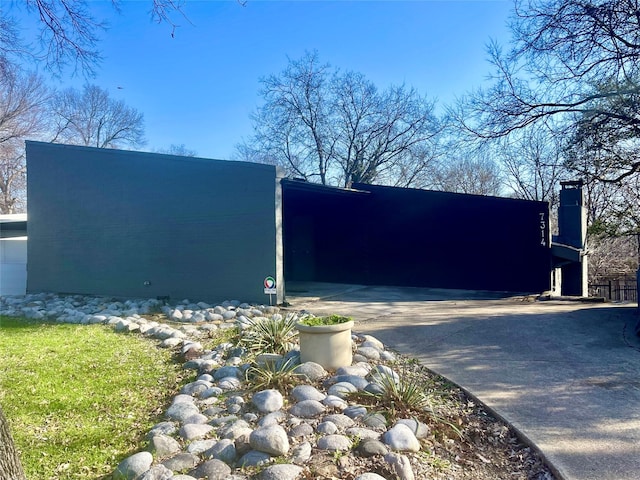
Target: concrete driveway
(566,375)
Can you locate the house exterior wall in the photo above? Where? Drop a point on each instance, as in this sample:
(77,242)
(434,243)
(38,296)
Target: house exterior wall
(451,240)
(133,224)
(409,237)
(13,266)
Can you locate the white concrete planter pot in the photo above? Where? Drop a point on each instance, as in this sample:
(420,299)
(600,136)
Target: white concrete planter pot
(328,345)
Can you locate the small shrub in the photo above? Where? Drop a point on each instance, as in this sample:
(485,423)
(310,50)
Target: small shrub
(404,397)
(277,375)
(271,335)
(403,394)
(330,320)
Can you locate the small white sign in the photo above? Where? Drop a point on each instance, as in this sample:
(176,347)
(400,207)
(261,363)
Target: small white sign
(270,286)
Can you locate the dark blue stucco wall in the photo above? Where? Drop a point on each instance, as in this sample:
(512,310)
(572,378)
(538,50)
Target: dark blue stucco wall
(134,224)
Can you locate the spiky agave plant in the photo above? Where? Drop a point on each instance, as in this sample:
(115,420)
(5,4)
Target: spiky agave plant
(276,334)
(403,394)
(278,375)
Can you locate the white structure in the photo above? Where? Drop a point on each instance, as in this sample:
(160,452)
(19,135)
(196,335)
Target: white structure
(13,258)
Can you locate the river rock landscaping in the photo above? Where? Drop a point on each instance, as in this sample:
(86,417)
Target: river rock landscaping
(254,411)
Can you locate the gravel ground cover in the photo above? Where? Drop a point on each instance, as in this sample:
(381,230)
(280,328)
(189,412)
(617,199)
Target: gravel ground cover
(250,416)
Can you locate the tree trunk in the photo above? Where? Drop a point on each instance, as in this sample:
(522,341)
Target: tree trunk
(10,466)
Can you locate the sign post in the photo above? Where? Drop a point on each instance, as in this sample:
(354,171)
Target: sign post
(270,288)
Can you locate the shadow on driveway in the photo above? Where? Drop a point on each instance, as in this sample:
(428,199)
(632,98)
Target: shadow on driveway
(566,375)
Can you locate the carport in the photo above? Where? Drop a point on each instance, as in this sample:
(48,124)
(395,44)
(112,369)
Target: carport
(376,235)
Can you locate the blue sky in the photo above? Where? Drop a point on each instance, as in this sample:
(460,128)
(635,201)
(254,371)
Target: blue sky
(199,87)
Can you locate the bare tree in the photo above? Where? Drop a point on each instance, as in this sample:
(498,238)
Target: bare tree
(9,42)
(68,33)
(574,65)
(612,257)
(13,179)
(532,162)
(23,100)
(575,61)
(248,151)
(377,133)
(338,128)
(416,169)
(613,207)
(10,466)
(609,133)
(292,128)
(28,110)
(472,175)
(174,149)
(90,117)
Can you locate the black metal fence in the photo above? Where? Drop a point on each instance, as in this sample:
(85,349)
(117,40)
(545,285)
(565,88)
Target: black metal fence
(615,291)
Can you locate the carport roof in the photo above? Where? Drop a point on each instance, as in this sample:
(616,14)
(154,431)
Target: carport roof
(296,184)
(13,225)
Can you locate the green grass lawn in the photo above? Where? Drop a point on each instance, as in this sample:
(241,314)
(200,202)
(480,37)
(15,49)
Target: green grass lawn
(80,398)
